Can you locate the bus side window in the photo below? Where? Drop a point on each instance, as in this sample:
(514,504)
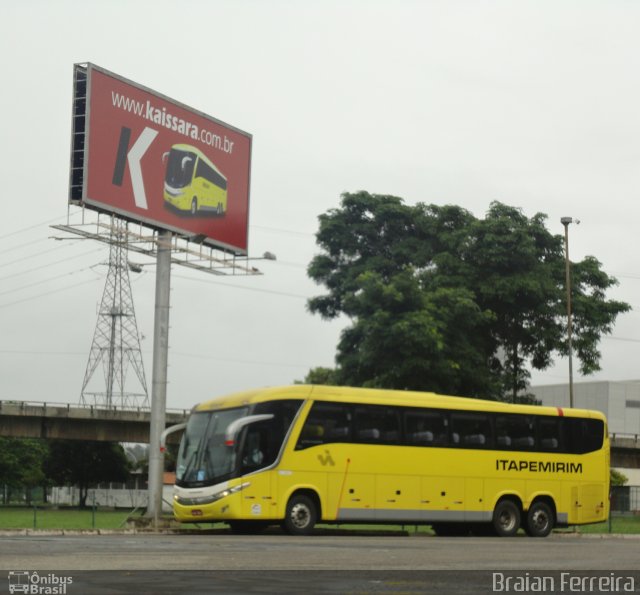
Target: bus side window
(273,431)
(377,424)
(515,431)
(326,422)
(473,429)
(549,433)
(582,435)
(425,427)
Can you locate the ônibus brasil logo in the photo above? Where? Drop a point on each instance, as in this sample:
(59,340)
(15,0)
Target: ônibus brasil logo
(26,581)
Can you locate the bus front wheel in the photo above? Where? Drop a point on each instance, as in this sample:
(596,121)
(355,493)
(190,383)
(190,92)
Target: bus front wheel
(506,518)
(301,515)
(539,520)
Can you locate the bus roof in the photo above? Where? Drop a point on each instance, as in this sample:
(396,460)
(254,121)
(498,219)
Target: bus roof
(374,396)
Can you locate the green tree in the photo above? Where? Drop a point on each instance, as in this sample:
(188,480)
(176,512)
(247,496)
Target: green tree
(441,300)
(85,464)
(319,375)
(21,462)
(617,478)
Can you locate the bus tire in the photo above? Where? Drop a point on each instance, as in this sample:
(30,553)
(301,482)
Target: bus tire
(506,518)
(301,515)
(540,519)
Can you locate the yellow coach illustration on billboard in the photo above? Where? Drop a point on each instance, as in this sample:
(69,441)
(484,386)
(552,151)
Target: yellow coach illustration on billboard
(193,183)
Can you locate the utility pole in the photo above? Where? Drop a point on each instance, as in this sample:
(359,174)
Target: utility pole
(159,380)
(566,221)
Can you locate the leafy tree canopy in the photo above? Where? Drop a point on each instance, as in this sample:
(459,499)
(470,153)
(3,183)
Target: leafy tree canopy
(85,464)
(21,461)
(441,300)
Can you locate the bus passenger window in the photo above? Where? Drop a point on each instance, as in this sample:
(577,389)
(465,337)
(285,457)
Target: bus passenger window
(548,433)
(473,429)
(377,424)
(582,435)
(514,431)
(326,422)
(425,427)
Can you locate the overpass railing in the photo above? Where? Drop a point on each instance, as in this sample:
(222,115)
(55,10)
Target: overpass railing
(22,405)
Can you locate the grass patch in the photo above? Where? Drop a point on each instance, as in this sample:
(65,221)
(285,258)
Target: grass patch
(63,518)
(619,524)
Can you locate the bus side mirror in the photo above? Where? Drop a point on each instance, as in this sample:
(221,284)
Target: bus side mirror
(169,430)
(235,426)
(164,156)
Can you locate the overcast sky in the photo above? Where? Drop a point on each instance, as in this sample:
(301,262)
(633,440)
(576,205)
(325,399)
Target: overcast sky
(531,103)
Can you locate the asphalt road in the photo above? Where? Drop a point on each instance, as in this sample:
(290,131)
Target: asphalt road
(274,563)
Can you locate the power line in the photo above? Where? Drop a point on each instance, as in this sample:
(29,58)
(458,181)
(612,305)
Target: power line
(270,291)
(287,231)
(13,233)
(50,264)
(28,299)
(43,281)
(176,353)
(239,361)
(31,243)
(626,339)
(32,256)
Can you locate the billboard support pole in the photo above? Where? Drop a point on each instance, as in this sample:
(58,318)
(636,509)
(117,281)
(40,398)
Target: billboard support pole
(159,379)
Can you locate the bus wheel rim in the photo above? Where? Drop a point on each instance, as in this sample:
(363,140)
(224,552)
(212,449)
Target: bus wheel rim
(300,515)
(539,520)
(507,521)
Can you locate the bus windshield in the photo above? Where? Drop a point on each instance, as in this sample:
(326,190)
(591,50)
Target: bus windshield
(207,456)
(203,458)
(180,168)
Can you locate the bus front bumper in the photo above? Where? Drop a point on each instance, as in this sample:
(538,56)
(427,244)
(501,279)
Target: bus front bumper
(221,506)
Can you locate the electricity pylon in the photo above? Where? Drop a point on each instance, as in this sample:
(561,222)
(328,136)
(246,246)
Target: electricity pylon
(116,342)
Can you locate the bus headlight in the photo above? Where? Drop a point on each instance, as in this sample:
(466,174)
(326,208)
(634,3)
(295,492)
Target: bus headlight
(212,497)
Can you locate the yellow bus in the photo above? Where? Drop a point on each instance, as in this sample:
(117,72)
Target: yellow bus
(302,454)
(192,183)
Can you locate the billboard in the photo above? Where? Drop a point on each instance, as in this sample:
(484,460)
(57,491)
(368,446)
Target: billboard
(151,159)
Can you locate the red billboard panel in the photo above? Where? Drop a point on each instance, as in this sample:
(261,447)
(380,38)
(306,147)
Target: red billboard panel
(148,158)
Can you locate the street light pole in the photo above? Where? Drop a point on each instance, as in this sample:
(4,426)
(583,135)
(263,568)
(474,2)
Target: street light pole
(566,221)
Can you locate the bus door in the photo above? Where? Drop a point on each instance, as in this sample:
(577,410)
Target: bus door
(256,453)
(259,451)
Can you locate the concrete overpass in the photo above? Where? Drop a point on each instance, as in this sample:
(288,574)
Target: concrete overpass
(29,419)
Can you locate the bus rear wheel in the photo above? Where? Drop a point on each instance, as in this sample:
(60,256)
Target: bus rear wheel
(506,518)
(301,515)
(540,520)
